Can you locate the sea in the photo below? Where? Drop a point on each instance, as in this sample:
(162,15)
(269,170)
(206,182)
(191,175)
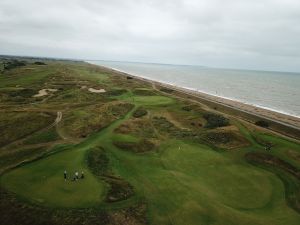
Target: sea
(276,91)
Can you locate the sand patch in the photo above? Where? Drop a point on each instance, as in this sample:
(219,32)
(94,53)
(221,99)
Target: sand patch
(96,90)
(44,92)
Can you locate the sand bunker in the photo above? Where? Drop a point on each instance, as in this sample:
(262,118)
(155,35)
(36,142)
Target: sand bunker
(44,92)
(96,90)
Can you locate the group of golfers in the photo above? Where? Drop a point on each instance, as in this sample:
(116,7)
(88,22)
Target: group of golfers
(75,176)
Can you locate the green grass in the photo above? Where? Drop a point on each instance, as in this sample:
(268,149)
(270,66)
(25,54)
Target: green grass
(25,77)
(194,183)
(181,182)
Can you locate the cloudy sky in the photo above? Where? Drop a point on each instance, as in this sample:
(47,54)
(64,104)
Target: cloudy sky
(251,34)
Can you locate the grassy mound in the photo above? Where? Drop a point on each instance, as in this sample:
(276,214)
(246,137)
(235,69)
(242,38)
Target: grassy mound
(119,189)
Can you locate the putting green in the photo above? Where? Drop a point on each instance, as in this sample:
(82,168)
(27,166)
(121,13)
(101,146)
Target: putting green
(42,181)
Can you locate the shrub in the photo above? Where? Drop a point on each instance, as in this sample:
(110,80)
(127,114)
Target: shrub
(13,64)
(140,112)
(262,123)
(25,93)
(215,120)
(187,108)
(40,63)
(167,90)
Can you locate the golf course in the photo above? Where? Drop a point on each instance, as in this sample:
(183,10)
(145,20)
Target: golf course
(148,155)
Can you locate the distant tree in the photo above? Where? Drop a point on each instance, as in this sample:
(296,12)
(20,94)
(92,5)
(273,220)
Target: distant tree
(8,65)
(40,63)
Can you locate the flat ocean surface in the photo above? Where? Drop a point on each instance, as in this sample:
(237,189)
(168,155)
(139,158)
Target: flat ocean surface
(278,91)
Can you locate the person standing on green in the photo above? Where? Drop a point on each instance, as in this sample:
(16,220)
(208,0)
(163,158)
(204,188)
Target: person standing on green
(65,175)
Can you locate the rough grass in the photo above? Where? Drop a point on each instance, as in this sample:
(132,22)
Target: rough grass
(142,146)
(184,181)
(227,139)
(81,123)
(43,137)
(25,122)
(15,157)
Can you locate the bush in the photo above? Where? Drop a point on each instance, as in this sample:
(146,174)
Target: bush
(187,108)
(215,120)
(13,64)
(25,93)
(140,112)
(262,123)
(167,90)
(40,63)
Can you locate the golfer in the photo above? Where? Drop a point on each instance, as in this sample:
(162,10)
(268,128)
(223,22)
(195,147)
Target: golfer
(65,175)
(82,175)
(76,175)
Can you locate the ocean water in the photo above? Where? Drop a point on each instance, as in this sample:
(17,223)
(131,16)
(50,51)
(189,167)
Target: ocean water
(278,91)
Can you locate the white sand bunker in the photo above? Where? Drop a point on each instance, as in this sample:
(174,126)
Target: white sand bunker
(96,90)
(44,92)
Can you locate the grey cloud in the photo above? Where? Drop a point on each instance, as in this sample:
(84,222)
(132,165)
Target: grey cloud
(257,34)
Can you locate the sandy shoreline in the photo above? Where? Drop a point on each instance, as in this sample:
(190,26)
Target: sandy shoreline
(284,119)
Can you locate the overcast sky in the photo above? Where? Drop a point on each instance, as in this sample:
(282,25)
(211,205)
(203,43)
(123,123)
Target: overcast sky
(251,34)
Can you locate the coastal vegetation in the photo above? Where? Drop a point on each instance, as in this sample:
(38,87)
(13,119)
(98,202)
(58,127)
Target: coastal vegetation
(148,154)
